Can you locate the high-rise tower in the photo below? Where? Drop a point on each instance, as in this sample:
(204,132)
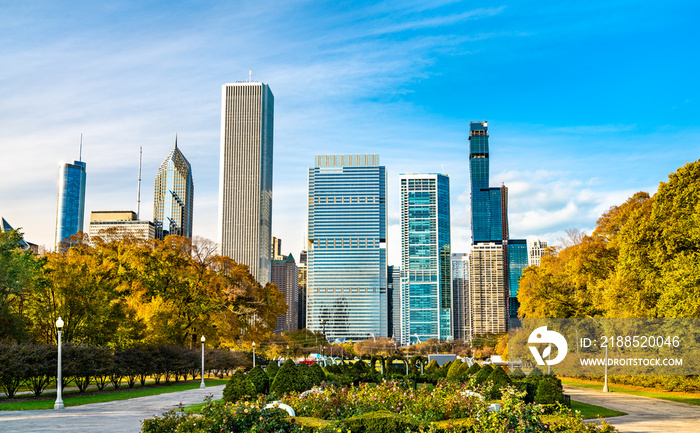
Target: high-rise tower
(173,196)
(71,200)
(347,272)
(426,296)
(245,175)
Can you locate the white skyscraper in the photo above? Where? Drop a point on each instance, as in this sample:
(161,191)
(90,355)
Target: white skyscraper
(245,175)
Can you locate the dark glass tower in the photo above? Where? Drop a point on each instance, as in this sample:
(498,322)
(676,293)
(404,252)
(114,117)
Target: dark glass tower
(71,201)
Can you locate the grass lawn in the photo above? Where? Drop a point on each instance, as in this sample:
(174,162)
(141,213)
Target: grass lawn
(589,411)
(124,393)
(681,397)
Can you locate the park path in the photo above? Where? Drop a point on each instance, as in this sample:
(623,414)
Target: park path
(122,416)
(644,414)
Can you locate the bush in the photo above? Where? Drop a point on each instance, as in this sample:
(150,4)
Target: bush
(316,374)
(549,391)
(483,374)
(500,380)
(272,369)
(288,379)
(239,387)
(453,372)
(518,372)
(259,379)
(381,421)
(474,369)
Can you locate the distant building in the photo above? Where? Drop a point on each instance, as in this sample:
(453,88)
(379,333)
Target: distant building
(6,227)
(487,288)
(426,284)
(537,250)
(276,249)
(303,276)
(285,275)
(393,285)
(245,175)
(517,261)
(71,201)
(347,225)
(116,225)
(461,306)
(173,196)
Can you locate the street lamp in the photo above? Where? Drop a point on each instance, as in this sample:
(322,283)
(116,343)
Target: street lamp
(288,351)
(253,354)
(59,378)
(202,385)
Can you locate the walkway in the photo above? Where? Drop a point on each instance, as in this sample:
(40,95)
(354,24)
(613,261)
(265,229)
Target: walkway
(123,416)
(643,414)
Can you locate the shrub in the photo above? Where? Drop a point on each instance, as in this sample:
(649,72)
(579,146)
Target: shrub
(381,421)
(474,369)
(316,374)
(432,366)
(518,372)
(500,380)
(272,369)
(259,379)
(453,372)
(483,374)
(549,391)
(304,373)
(239,387)
(288,379)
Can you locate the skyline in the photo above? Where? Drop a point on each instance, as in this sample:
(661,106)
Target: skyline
(586,105)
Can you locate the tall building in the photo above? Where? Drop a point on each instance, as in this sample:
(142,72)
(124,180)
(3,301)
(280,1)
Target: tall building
(537,250)
(173,196)
(393,297)
(426,294)
(71,201)
(120,224)
(285,275)
(303,276)
(276,249)
(461,306)
(347,271)
(517,261)
(487,288)
(245,175)
(5,227)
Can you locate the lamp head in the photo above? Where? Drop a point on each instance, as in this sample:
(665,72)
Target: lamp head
(253,343)
(203,339)
(59,324)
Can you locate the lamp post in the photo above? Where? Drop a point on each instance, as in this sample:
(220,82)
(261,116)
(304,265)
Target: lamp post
(253,354)
(59,378)
(605,385)
(202,385)
(288,351)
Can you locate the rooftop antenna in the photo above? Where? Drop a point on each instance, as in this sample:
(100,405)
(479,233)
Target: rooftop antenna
(80,158)
(138,193)
(250,75)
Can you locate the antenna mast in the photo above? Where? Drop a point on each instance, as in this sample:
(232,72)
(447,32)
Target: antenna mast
(138,193)
(80,158)
(250,75)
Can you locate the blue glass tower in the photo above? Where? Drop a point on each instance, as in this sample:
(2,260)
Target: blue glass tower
(347,272)
(517,261)
(173,196)
(71,201)
(426,295)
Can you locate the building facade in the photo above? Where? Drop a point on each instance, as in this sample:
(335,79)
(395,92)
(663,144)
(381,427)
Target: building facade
(536,250)
(461,305)
(426,294)
(517,261)
(117,225)
(393,297)
(173,196)
(303,277)
(347,226)
(487,287)
(71,201)
(285,275)
(245,175)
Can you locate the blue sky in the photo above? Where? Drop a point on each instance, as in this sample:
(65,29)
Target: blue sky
(587,102)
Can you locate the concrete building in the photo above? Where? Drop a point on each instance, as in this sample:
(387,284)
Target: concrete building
(245,175)
(347,226)
(536,250)
(487,289)
(285,275)
(173,196)
(116,225)
(276,249)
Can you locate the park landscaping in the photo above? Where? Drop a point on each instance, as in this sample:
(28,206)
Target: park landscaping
(356,398)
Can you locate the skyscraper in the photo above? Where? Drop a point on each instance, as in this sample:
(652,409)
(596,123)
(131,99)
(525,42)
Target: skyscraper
(245,175)
(426,294)
(393,297)
(71,201)
(487,289)
(285,275)
(537,250)
(461,306)
(347,272)
(173,196)
(517,261)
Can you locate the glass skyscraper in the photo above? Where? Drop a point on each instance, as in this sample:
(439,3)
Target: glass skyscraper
(426,295)
(517,261)
(347,271)
(71,201)
(245,175)
(173,196)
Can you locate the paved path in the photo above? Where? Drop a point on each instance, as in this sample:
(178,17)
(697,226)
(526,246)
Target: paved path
(123,416)
(643,414)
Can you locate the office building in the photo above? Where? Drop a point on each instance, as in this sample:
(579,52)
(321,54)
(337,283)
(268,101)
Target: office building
(71,201)
(347,270)
(285,275)
(487,287)
(517,261)
(173,196)
(245,175)
(426,294)
(537,249)
(118,225)
(393,297)
(461,306)
(276,249)
(303,276)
